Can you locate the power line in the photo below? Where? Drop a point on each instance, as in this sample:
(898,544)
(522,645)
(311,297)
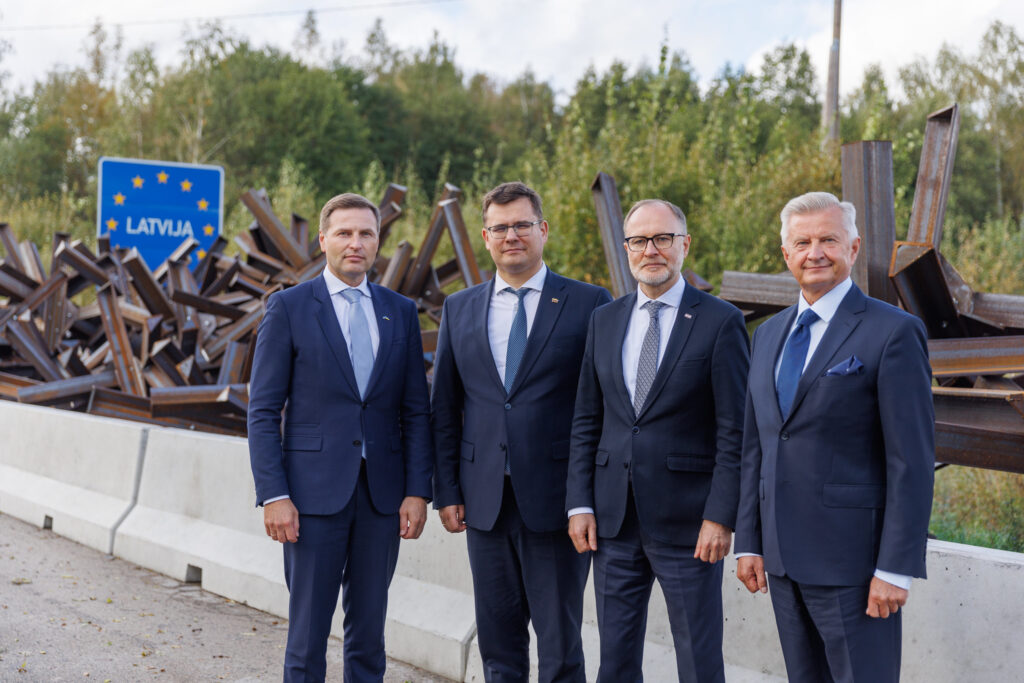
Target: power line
(248,15)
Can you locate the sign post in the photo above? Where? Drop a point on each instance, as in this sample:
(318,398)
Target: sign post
(154,206)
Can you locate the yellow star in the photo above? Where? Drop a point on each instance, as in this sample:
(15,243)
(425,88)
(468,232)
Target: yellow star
(119,199)
(203,204)
(201,253)
(207,230)
(186,186)
(137,182)
(161,177)
(111,224)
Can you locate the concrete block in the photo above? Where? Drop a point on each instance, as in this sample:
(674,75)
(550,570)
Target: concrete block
(74,473)
(429,626)
(196,519)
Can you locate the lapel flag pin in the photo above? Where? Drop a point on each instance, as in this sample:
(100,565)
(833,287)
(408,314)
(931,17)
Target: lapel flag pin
(554,300)
(687,315)
(387,318)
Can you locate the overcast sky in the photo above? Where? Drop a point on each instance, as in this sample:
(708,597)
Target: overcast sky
(557,39)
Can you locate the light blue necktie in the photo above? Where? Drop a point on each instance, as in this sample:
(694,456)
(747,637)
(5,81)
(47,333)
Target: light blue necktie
(793,357)
(516,339)
(359,339)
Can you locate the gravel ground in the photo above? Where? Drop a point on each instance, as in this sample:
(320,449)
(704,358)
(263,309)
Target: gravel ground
(69,613)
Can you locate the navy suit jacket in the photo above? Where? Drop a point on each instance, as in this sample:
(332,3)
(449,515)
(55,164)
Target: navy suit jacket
(843,485)
(475,423)
(302,366)
(683,449)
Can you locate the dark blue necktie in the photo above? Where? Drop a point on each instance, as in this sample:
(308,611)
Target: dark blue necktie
(793,357)
(516,338)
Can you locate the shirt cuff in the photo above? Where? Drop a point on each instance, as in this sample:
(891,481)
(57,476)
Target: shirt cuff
(739,555)
(581,511)
(898,580)
(274,499)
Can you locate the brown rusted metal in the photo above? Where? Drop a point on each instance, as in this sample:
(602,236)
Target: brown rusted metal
(146,285)
(273,230)
(76,389)
(960,444)
(76,257)
(10,384)
(460,238)
(868,185)
(760,293)
(26,340)
(609,221)
(419,271)
(129,375)
(397,266)
(934,173)
(976,356)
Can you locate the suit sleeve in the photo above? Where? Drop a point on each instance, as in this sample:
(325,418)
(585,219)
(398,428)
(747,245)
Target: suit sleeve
(748,516)
(730,363)
(269,387)
(908,429)
(446,403)
(417,442)
(586,430)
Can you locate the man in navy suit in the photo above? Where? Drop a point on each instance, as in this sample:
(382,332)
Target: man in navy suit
(350,473)
(508,358)
(838,458)
(654,469)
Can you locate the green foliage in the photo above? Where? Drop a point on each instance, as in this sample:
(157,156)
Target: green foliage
(979,507)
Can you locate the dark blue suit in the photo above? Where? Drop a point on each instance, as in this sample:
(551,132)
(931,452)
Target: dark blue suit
(841,487)
(348,533)
(653,478)
(523,562)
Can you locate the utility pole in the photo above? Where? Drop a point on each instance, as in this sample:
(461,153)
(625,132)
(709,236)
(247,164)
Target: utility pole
(830,112)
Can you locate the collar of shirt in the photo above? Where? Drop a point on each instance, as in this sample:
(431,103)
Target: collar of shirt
(828,304)
(335,285)
(673,297)
(535,283)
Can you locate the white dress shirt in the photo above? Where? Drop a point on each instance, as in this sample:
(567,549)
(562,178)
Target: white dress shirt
(503,310)
(826,308)
(639,321)
(341,309)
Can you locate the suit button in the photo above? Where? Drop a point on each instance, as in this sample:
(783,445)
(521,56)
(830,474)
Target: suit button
(365,405)
(784,436)
(636,430)
(357,442)
(625,465)
(508,406)
(504,447)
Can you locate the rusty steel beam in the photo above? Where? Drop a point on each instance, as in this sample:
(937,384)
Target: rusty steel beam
(203,273)
(312,269)
(68,254)
(609,221)
(129,375)
(10,384)
(217,398)
(222,281)
(464,255)
(26,340)
(206,305)
(1005,309)
(976,356)
(300,232)
(934,173)
(232,363)
(10,244)
(237,331)
(917,273)
(259,259)
(696,281)
(12,286)
(273,230)
(420,268)
(149,289)
(398,264)
(764,292)
(991,409)
(960,444)
(868,185)
(181,253)
(74,389)
(31,262)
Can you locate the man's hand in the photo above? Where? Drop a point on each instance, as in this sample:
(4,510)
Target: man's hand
(411,517)
(453,518)
(884,598)
(281,520)
(583,532)
(713,542)
(750,572)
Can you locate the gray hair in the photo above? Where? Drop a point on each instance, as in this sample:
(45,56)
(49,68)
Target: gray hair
(813,202)
(676,211)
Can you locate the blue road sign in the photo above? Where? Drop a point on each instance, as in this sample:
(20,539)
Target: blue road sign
(154,206)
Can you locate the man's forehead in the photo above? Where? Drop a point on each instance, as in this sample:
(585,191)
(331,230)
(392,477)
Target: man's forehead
(817,221)
(651,219)
(351,218)
(517,208)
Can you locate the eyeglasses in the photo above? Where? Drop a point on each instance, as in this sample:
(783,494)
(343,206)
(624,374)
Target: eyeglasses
(661,241)
(521,228)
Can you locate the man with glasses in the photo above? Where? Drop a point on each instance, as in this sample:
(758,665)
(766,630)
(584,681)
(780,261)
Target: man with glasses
(505,373)
(654,467)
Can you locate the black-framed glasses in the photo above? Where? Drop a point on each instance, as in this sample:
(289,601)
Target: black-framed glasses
(521,228)
(661,241)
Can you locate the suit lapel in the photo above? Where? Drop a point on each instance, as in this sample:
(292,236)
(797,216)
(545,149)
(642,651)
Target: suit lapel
(328,320)
(618,333)
(386,322)
(481,311)
(685,318)
(847,318)
(553,299)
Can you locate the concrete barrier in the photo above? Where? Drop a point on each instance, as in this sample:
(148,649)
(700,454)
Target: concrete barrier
(74,473)
(195,519)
